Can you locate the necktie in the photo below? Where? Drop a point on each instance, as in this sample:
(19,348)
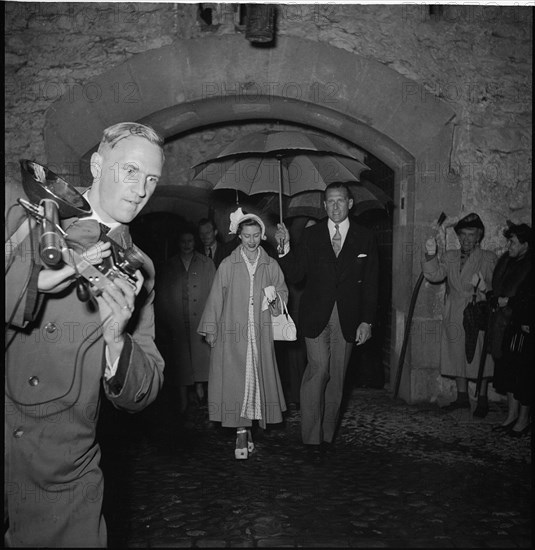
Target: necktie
(209,252)
(337,241)
(104,228)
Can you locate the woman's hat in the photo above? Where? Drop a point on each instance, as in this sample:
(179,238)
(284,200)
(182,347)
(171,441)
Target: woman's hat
(471,221)
(239,216)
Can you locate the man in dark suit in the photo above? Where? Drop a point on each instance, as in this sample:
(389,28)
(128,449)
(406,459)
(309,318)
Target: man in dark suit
(211,247)
(339,262)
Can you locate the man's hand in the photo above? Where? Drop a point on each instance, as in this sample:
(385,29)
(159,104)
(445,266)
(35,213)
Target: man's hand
(282,233)
(364,333)
(52,281)
(116,305)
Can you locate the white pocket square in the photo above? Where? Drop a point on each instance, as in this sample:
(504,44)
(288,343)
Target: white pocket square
(362,255)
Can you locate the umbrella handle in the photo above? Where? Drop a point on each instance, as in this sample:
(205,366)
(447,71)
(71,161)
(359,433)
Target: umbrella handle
(279,158)
(280,248)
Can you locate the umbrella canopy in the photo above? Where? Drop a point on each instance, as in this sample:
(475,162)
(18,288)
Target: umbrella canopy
(286,162)
(275,141)
(366,196)
(296,172)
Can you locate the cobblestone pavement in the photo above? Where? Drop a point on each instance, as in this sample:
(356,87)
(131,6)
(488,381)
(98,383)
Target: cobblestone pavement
(400,476)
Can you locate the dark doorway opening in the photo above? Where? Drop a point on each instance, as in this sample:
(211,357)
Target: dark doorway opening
(369,366)
(157,235)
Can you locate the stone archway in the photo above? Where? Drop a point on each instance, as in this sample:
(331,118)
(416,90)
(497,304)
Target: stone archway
(200,82)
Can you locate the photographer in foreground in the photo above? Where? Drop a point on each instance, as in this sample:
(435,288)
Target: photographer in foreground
(60,350)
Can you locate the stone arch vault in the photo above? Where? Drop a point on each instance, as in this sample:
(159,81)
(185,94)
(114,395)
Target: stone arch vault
(196,83)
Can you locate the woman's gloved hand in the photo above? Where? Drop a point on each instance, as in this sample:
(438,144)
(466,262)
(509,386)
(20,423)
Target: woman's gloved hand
(271,293)
(479,282)
(431,246)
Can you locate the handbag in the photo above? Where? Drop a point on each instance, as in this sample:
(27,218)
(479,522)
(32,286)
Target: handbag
(516,342)
(283,325)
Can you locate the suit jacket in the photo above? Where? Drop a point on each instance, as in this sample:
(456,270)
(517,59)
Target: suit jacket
(221,251)
(349,280)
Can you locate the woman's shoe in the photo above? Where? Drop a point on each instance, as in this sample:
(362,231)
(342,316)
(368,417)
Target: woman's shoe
(250,443)
(457,404)
(240,453)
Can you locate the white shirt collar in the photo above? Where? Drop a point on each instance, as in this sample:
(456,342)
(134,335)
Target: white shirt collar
(95,216)
(343,227)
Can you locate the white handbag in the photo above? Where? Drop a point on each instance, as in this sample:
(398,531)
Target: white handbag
(283,325)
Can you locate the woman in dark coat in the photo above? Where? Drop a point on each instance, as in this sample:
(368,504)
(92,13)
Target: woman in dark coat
(183,285)
(513,302)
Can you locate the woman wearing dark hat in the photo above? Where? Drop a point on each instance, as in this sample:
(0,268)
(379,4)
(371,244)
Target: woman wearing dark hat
(465,271)
(512,328)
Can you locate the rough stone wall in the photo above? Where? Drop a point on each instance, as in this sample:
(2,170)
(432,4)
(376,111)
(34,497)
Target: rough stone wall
(476,58)
(53,49)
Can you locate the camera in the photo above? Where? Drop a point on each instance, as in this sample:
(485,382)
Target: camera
(52,199)
(122,262)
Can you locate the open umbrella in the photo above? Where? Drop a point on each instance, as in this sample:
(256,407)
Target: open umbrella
(366,196)
(287,162)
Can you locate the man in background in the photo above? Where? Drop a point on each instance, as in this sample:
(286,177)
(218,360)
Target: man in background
(211,247)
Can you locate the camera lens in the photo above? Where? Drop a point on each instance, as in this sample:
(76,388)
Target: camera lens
(134,258)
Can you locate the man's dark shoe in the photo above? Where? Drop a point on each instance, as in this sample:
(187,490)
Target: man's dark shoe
(504,427)
(314,454)
(521,433)
(327,447)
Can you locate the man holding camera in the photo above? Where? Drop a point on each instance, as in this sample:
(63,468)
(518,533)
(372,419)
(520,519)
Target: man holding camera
(60,350)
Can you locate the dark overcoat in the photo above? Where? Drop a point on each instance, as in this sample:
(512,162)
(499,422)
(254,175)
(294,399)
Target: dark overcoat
(508,275)
(180,299)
